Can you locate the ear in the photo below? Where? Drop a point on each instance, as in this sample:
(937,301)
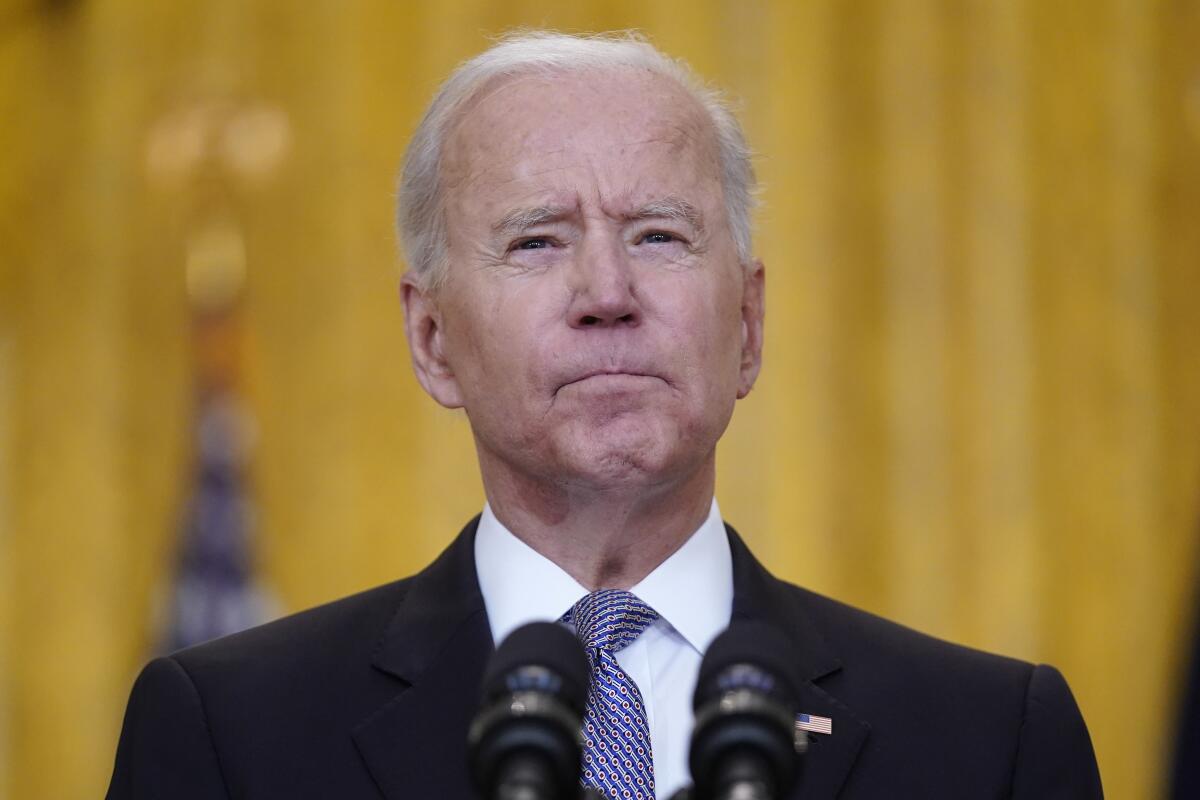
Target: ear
(753,311)
(426,343)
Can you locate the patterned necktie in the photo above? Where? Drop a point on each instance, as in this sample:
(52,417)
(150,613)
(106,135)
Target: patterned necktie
(617,758)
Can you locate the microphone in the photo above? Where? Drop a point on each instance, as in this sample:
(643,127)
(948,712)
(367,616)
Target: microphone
(524,744)
(744,743)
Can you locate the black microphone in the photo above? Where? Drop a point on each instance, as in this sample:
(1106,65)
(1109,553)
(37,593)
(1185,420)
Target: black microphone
(744,743)
(524,744)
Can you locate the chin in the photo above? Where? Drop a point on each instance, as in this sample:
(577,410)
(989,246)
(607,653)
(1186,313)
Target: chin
(626,457)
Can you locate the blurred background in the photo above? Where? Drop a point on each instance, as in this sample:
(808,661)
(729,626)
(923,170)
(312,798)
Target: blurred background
(980,409)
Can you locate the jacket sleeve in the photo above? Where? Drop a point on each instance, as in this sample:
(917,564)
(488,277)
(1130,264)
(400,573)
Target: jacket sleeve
(1054,755)
(166,749)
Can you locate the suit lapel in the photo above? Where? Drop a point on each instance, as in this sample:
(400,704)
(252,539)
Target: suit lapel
(757,595)
(436,645)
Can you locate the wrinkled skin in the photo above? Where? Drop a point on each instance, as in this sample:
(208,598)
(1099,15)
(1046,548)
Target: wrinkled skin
(595,322)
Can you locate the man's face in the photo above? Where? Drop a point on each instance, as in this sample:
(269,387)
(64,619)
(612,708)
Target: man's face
(594,322)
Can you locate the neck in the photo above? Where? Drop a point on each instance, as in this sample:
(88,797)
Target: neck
(604,538)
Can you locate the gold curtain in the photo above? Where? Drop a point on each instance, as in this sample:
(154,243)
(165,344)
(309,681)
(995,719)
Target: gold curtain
(980,411)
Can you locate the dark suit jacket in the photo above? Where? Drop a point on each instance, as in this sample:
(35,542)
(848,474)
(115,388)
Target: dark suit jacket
(370,697)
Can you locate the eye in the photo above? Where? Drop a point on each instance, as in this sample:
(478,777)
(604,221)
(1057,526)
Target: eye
(534,243)
(659,237)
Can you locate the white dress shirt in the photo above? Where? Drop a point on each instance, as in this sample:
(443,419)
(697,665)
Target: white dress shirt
(692,591)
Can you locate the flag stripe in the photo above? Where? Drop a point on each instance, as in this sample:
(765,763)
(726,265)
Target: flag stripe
(814,724)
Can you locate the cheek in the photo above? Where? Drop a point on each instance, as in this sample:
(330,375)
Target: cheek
(471,336)
(712,322)
(705,347)
(495,345)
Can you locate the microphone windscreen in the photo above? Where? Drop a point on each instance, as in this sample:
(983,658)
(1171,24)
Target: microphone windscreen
(757,644)
(564,672)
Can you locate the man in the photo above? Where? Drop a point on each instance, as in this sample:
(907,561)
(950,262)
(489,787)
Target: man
(576,217)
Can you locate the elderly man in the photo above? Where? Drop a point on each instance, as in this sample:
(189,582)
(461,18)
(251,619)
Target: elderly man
(576,217)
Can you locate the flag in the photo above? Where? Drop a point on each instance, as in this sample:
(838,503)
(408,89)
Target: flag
(814,724)
(214,589)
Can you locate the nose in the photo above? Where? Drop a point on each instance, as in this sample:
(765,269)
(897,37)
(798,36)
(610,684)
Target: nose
(603,287)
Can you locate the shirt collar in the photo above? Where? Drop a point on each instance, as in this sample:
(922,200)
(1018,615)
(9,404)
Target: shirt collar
(520,585)
(693,589)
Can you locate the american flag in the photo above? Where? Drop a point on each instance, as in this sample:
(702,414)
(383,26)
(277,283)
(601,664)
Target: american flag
(215,591)
(814,724)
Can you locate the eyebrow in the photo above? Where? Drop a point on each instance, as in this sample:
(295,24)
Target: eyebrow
(520,220)
(672,208)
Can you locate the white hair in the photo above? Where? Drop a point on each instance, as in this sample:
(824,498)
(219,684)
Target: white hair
(420,217)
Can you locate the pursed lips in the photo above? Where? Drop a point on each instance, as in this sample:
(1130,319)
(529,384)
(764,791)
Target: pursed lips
(609,373)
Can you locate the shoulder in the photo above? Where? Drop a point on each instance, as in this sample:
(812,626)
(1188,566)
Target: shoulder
(329,655)
(897,674)
(233,710)
(316,639)
(294,661)
(873,646)
(986,714)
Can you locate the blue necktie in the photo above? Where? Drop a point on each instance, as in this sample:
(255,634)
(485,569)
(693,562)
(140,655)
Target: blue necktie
(617,758)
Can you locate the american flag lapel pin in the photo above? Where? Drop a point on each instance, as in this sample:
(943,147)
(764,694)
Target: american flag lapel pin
(814,724)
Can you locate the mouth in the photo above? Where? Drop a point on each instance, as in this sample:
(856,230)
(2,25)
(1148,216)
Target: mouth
(614,379)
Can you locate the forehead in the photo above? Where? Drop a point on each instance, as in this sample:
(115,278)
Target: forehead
(619,133)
